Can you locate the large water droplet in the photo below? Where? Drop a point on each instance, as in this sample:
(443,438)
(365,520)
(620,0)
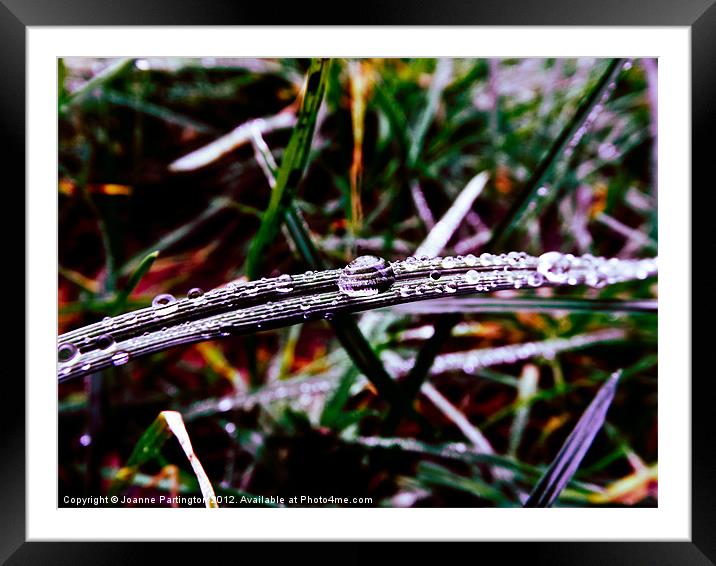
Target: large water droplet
(470,260)
(120,358)
(554,266)
(366,276)
(67,353)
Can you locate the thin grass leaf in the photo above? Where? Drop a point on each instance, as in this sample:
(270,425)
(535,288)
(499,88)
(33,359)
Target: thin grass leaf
(148,447)
(441,78)
(112,71)
(526,390)
(212,152)
(574,448)
(441,233)
(292,165)
(142,269)
(567,137)
(467,304)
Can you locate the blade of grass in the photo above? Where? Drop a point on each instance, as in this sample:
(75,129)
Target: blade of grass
(530,304)
(148,447)
(574,448)
(112,71)
(515,215)
(292,165)
(441,233)
(526,389)
(144,266)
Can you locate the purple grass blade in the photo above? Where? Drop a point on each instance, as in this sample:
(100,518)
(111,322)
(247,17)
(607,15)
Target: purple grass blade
(575,447)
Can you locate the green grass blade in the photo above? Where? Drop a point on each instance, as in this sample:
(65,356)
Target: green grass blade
(516,214)
(292,165)
(574,448)
(144,266)
(113,71)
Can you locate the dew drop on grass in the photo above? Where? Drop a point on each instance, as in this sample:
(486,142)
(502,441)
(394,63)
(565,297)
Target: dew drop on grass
(472,277)
(164,304)
(284,284)
(195,293)
(554,266)
(67,353)
(535,279)
(366,276)
(104,342)
(120,358)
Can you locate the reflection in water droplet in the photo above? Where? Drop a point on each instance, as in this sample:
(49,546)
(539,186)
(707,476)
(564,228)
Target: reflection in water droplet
(164,304)
(194,293)
(366,276)
(67,353)
(120,358)
(104,342)
(554,266)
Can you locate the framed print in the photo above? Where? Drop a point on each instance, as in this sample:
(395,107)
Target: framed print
(420,276)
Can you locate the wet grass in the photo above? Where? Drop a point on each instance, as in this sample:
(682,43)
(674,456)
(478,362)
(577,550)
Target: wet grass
(376,163)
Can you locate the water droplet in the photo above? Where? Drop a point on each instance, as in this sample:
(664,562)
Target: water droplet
(450,287)
(85,440)
(104,342)
(543,191)
(435,275)
(410,264)
(366,276)
(328,316)
(163,300)
(195,293)
(164,304)
(554,266)
(470,260)
(472,277)
(486,259)
(107,320)
(230,428)
(448,263)
(284,284)
(120,358)
(67,353)
(535,279)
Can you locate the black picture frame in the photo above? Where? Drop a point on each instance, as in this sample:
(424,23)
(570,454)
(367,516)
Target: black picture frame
(17,15)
